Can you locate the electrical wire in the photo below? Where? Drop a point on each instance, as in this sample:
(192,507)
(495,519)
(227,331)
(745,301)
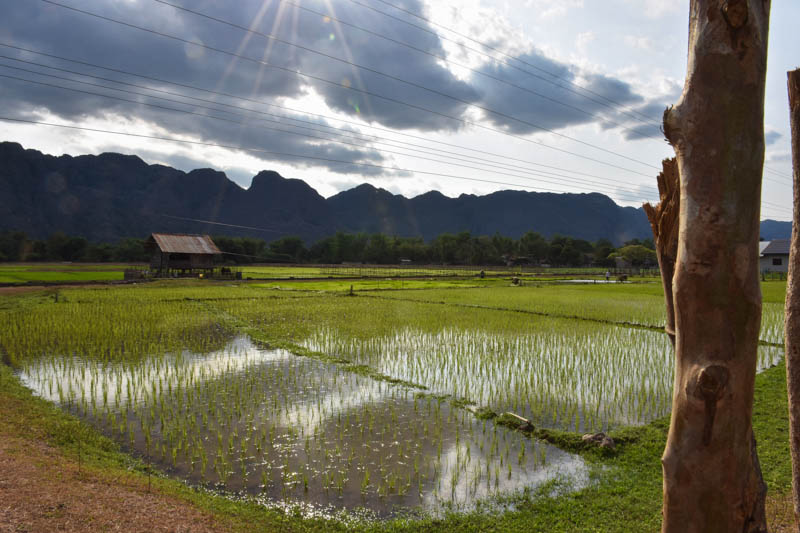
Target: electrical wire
(611,103)
(538,174)
(428,140)
(351,88)
(273,152)
(412,47)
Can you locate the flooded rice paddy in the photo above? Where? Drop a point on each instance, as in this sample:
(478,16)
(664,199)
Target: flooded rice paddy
(586,378)
(297,430)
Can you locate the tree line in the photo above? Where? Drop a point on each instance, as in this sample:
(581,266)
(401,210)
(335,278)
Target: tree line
(454,249)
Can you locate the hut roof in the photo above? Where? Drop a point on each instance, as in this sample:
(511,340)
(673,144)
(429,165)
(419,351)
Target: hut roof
(184,244)
(777,247)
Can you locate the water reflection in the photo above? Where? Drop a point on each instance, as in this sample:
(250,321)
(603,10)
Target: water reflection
(292,429)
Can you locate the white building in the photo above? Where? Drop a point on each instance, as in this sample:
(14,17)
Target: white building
(773,255)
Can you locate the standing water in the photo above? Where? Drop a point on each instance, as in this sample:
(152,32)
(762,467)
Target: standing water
(297,431)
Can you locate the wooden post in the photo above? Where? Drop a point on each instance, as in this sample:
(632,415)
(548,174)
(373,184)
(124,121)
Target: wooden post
(712,478)
(792,324)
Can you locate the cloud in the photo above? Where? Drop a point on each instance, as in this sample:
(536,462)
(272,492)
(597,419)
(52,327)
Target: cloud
(771,137)
(639,41)
(400,88)
(583,39)
(548,9)
(563,98)
(658,8)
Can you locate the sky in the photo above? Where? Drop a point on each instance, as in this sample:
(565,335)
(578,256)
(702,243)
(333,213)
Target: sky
(458,96)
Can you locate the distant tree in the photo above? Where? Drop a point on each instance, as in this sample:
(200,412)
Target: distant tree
(602,249)
(13,245)
(379,250)
(484,252)
(533,246)
(38,251)
(74,248)
(636,254)
(293,247)
(566,251)
(443,248)
(413,248)
(502,245)
(131,250)
(99,253)
(55,245)
(350,247)
(324,251)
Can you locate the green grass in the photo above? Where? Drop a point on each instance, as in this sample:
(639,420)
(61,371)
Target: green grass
(343,286)
(773,291)
(625,491)
(51,276)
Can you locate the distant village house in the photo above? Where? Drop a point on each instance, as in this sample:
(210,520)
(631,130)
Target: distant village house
(773,255)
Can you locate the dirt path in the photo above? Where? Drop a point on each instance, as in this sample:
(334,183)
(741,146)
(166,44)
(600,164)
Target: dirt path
(42,491)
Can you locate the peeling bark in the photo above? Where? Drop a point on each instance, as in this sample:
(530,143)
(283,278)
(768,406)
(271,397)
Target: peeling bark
(792,324)
(712,479)
(663,219)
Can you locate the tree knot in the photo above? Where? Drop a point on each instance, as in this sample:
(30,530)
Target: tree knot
(709,386)
(735,12)
(711,382)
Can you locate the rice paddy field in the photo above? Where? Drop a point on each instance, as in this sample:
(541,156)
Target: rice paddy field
(363,401)
(66,272)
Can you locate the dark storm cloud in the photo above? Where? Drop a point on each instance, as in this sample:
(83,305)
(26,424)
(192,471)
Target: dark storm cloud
(553,96)
(266,72)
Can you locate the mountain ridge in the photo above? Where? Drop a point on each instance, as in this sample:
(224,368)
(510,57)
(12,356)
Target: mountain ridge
(110,196)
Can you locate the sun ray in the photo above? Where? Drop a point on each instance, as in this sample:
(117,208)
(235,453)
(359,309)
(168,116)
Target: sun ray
(268,49)
(339,34)
(243,44)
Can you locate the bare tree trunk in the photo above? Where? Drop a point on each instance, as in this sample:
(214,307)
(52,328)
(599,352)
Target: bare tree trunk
(664,221)
(712,479)
(792,325)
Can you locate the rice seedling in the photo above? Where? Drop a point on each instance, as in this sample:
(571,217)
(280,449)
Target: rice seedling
(163,371)
(290,428)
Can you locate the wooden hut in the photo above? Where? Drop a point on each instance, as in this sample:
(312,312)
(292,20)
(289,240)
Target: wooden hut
(181,252)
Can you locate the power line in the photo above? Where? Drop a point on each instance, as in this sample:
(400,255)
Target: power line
(484,161)
(402,80)
(777,173)
(348,87)
(395,41)
(220,224)
(614,103)
(285,108)
(588,186)
(272,152)
(259,150)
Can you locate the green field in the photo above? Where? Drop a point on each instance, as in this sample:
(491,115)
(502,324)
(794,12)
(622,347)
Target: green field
(381,403)
(19,273)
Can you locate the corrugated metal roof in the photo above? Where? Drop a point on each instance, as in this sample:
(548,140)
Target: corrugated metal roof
(185,244)
(777,247)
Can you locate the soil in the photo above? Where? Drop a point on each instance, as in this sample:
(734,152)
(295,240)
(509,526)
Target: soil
(41,490)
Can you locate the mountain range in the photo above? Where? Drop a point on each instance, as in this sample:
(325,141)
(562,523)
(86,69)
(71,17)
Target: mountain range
(112,196)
